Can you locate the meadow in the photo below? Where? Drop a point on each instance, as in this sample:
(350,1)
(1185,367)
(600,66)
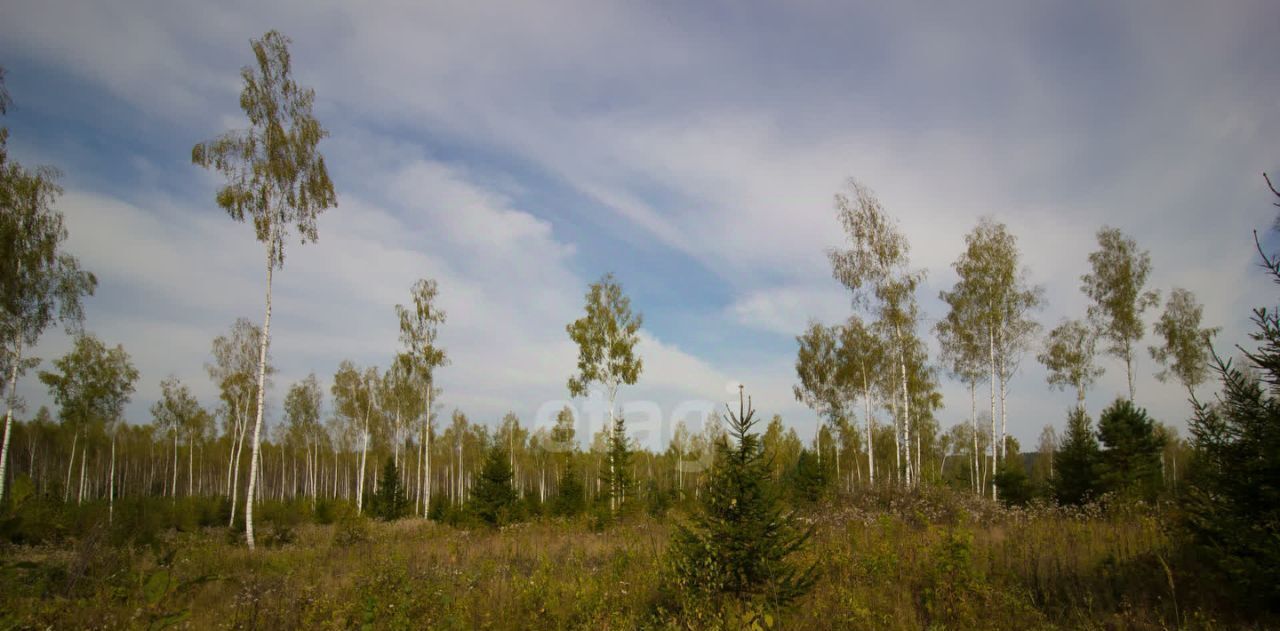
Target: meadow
(885,560)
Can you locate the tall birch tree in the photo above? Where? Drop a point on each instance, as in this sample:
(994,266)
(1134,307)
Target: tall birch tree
(235,371)
(960,336)
(1069,357)
(1116,285)
(994,287)
(419,329)
(275,176)
(606,337)
(818,372)
(861,357)
(91,385)
(1185,353)
(39,282)
(875,267)
(302,408)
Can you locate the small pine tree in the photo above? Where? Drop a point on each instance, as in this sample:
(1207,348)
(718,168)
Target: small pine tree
(735,549)
(493,499)
(807,480)
(1075,472)
(570,498)
(1130,463)
(1011,476)
(1232,505)
(616,481)
(391,502)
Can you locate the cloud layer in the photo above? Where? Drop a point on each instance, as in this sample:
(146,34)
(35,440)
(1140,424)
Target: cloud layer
(517,154)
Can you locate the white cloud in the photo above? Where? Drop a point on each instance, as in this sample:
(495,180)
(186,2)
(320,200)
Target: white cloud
(711,140)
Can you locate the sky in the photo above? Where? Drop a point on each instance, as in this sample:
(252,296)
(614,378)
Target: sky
(517,152)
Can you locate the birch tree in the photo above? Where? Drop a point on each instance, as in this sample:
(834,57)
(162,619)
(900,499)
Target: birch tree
(354,399)
(606,338)
(1116,286)
(861,358)
(818,370)
(419,329)
(39,282)
(91,385)
(1069,358)
(302,407)
(875,267)
(960,336)
(1185,354)
(993,287)
(275,176)
(235,371)
(175,413)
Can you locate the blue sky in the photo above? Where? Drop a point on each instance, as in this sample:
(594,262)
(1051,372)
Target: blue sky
(516,153)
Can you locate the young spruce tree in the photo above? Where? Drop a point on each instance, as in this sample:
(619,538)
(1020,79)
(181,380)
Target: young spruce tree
(391,501)
(1075,472)
(493,499)
(1233,505)
(570,498)
(735,551)
(1130,464)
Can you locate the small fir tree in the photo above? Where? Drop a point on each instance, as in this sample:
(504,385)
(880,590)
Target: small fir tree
(493,499)
(1011,476)
(616,481)
(1075,472)
(807,479)
(391,502)
(1130,464)
(735,550)
(570,498)
(1232,506)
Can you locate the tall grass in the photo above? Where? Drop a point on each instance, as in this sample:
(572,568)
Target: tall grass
(894,561)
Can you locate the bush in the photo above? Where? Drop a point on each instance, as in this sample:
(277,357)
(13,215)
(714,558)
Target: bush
(350,527)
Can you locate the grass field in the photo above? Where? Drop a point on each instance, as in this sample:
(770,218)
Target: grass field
(933,560)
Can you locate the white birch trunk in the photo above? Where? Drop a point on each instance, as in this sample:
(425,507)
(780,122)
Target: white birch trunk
(71,463)
(991,470)
(906,403)
(866,399)
(111,487)
(8,421)
(262,384)
(975,481)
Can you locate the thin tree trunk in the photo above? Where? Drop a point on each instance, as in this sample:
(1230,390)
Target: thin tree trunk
(111,488)
(992,341)
(1128,367)
(866,398)
(173,489)
(976,480)
(906,401)
(1004,382)
(84,457)
(66,490)
(8,419)
(897,440)
(262,384)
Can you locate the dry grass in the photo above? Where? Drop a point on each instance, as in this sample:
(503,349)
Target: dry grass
(909,563)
